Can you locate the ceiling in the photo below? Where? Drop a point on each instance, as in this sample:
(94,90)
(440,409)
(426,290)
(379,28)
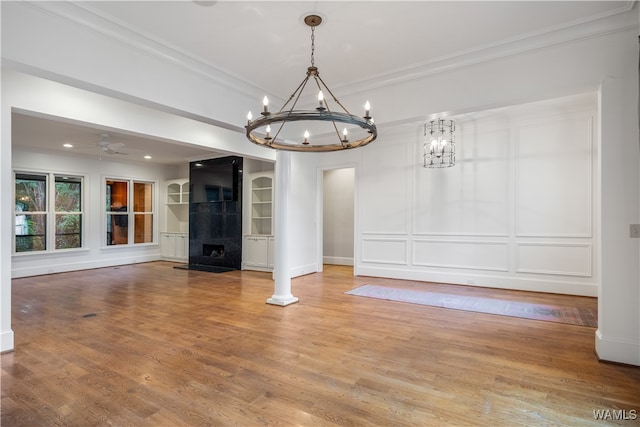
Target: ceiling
(49,135)
(266,45)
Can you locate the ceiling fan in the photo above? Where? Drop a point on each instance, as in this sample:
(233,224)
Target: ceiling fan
(110,147)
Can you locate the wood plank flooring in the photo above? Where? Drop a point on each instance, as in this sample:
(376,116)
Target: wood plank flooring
(169,347)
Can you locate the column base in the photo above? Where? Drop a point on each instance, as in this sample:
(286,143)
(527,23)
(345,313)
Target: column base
(282,301)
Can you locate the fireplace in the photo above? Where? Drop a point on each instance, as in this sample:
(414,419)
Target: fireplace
(215,214)
(213,251)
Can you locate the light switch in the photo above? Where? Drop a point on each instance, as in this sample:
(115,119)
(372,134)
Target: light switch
(634,231)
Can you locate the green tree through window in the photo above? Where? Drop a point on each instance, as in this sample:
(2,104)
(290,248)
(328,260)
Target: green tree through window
(33,219)
(31,215)
(68,212)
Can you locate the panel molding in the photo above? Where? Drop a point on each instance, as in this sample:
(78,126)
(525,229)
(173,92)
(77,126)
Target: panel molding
(501,268)
(403,249)
(383,233)
(580,118)
(588,271)
(375,181)
(445,234)
(479,182)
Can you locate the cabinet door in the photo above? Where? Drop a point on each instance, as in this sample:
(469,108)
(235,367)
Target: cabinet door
(271,250)
(168,245)
(182,246)
(255,251)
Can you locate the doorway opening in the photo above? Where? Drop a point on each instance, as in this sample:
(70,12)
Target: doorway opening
(338,216)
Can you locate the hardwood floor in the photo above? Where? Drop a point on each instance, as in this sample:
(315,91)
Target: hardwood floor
(150,345)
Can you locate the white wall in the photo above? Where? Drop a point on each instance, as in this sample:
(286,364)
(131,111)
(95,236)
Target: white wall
(94,253)
(338,216)
(516,211)
(303,215)
(598,256)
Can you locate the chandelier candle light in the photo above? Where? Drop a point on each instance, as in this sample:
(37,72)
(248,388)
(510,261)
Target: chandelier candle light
(363,129)
(439,144)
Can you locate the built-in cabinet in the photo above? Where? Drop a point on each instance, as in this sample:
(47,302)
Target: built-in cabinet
(174,246)
(174,240)
(258,246)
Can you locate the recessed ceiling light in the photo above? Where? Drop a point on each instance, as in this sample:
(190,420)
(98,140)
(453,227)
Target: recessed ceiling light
(147,157)
(67,145)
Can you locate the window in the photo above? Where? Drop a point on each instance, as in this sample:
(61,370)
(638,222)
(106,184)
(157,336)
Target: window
(47,217)
(68,212)
(117,215)
(119,200)
(143,212)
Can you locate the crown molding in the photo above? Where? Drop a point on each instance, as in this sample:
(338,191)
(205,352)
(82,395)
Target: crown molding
(87,18)
(616,20)
(82,15)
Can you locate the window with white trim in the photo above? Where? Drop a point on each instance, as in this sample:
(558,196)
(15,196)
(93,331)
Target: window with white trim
(48,214)
(130,211)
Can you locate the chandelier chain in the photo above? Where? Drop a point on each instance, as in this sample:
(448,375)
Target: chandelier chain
(313,46)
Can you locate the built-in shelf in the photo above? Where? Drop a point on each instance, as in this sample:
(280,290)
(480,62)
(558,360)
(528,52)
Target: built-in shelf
(258,246)
(262,204)
(178,192)
(174,239)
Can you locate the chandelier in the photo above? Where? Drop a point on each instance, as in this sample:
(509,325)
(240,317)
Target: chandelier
(439,144)
(324,120)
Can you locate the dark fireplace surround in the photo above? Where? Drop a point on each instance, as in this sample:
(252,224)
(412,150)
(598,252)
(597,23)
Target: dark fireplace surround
(215,214)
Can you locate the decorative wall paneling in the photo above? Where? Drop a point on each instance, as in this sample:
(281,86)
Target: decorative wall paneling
(564,259)
(554,191)
(470,198)
(516,211)
(465,254)
(384,188)
(387,250)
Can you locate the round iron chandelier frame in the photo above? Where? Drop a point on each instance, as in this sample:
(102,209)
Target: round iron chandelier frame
(322,113)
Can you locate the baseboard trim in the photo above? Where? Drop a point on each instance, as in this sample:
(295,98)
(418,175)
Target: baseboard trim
(303,269)
(483,280)
(76,266)
(617,350)
(336,260)
(6,341)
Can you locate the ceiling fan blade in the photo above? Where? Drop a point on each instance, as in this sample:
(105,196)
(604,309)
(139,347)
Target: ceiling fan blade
(110,151)
(115,145)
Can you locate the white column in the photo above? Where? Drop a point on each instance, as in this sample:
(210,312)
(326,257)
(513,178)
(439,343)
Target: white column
(282,270)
